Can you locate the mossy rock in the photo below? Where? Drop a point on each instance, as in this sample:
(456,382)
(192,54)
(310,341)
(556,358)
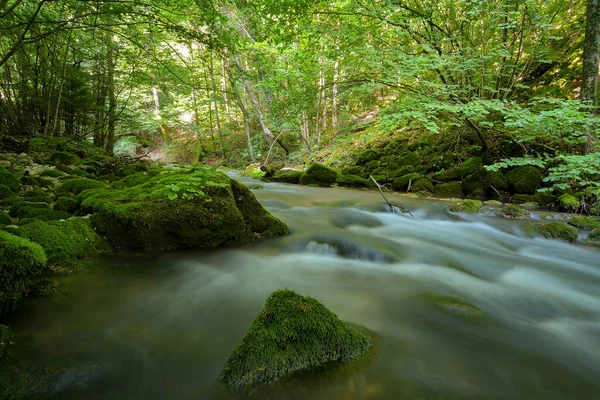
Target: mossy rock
(253,171)
(37,196)
(585,223)
(401,184)
(381,179)
(367,155)
(449,190)
(288,176)
(568,203)
(8,179)
(484,182)
(14,210)
(594,237)
(524,179)
(20,262)
(492,203)
(354,170)
(422,186)
(7,340)
(291,333)
(557,230)
(66,204)
(77,185)
(185,208)
(405,170)
(4,218)
(108,178)
(409,158)
(372,166)
(466,206)
(5,192)
(41,211)
(66,243)
(352,181)
(439,162)
(514,212)
(319,174)
(52,173)
(543,199)
(467,168)
(530,205)
(63,157)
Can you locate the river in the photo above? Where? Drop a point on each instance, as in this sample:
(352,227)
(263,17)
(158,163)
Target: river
(160,326)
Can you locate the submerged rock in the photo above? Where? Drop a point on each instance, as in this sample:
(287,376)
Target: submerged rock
(175,209)
(594,237)
(331,244)
(466,206)
(585,223)
(456,307)
(291,333)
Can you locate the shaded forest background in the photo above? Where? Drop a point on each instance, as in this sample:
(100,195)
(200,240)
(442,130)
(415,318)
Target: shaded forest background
(241,81)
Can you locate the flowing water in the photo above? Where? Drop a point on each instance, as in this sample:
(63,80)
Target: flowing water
(462,307)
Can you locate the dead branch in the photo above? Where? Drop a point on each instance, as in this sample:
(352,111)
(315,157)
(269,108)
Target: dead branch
(392,205)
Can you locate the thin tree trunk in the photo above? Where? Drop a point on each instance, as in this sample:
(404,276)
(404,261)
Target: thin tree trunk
(112,101)
(217,119)
(591,64)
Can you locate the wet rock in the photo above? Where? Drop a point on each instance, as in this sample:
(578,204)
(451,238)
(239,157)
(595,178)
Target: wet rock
(585,223)
(291,333)
(334,245)
(557,230)
(319,174)
(449,190)
(356,218)
(455,307)
(524,179)
(514,212)
(352,181)
(466,206)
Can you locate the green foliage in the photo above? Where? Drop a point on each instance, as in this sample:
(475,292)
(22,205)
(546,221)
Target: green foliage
(514,212)
(66,243)
(557,230)
(466,206)
(7,340)
(20,261)
(291,333)
(4,218)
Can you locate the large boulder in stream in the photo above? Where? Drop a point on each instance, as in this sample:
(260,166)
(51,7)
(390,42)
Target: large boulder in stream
(178,208)
(291,333)
(320,175)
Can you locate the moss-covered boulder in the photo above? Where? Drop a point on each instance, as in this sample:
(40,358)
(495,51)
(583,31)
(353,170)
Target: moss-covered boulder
(524,179)
(288,176)
(41,211)
(594,237)
(77,185)
(291,333)
(405,170)
(253,171)
(354,170)
(52,173)
(557,230)
(353,181)
(63,157)
(20,262)
(37,196)
(467,168)
(401,184)
(4,218)
(66,204)
(514,212)
(185,208)
(66,243)
(422,186)
(319,174)
(466,206)
(585,223)
(8,179)
(367,155)
(409,158)
(439,162)
(568,202)
(483,181)
(449,190)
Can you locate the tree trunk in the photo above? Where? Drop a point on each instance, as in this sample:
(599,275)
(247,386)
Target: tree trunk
(591,64)
(112,106)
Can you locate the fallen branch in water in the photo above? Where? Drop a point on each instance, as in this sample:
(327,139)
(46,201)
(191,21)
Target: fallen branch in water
(392,205)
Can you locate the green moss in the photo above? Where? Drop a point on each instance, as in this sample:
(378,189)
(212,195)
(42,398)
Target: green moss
(354,170)
(585,223)
(409,158)
(466,206)
(530,205)
(108,178)
(7,340)
(557,230)
(594,237)
(184,208)
(63,157)
(543,199)
(367,155)
(66,243)
(291,333)
(319,174)
(39,211)
(514,212)
(20,261)
(77,185)
(253,171)
(407,169)
(449,190)
(401,183)
(568,203)
(4,218)
(524,179)
(66,204)
(467,168)
(5,192)
(37,196)
(439,162)
(492,203)
(8,179)
(352,181)
(14,210)
(422,186)
(288,176)
(483,181)
(52,173)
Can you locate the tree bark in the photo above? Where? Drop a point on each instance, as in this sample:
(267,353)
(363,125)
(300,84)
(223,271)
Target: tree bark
(591,64)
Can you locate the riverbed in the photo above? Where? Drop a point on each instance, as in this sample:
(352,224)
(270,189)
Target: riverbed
(523,323)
